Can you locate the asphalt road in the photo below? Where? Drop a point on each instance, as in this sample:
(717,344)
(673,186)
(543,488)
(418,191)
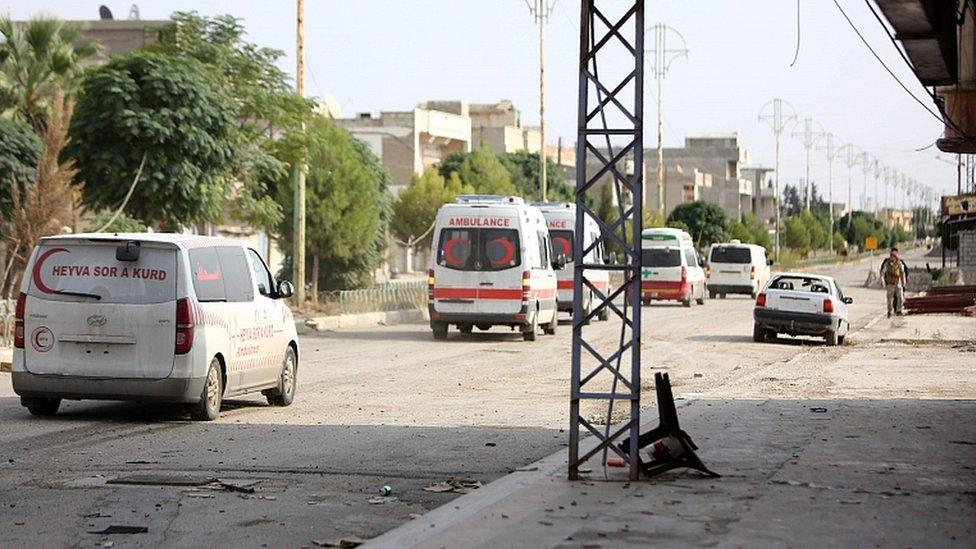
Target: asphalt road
(383,406)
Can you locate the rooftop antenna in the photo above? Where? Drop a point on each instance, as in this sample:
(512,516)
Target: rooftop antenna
(104,13)
(134,12)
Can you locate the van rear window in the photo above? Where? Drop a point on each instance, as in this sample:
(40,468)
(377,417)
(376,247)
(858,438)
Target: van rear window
(475,249)
(562,243)
(661,257)
(731,254)
(75,271)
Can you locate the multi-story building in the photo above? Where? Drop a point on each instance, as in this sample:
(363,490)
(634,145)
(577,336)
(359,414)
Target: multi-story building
(763,193)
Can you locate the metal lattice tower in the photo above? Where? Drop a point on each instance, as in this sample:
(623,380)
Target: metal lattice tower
(810,136)
(610,134)
(772,114)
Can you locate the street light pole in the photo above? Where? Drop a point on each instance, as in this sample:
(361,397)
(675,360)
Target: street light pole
(777,121)
(866,164)
(541,10)
(298,251)
(850,159)
(831,150)
(810,138)
(663,57)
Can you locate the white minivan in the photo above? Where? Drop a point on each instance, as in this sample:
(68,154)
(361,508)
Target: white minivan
(151,317)
(670,267)
(561,219)
(737,268)
(492,266)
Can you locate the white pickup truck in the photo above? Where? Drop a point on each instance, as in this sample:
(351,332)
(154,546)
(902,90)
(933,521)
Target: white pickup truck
(802,304)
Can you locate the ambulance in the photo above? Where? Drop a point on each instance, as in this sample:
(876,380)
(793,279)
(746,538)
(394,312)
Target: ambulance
(153,318)
(561,218)
(492,266)
(670,267)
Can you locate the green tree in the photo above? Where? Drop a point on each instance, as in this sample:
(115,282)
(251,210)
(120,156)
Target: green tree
(121,224)
(345,202)
(523,168)
(797,235)
(267,104)
(482,170)
(705,221)
(169,111)
(35,60)
(791,203)
(19,150)
(817,229)
(758,233)
(416,207)
(736,230)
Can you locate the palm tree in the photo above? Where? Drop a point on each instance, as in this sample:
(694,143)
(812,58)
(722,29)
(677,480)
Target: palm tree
(35,59)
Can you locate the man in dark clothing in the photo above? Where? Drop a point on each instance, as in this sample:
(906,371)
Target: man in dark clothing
(894,274)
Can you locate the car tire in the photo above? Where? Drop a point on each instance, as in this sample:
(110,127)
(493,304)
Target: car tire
(711,295)
(646,302)
(466,328)
(840,340)
(41,406)
(759,333)
(831,338)
(439,330)
(287,381)
(532,330)
(723,295)
(208,409)
(701,300)
(550,328)
(687,302)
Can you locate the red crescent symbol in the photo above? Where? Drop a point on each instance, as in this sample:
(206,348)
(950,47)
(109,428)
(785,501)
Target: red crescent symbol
(37,343)
(36,275)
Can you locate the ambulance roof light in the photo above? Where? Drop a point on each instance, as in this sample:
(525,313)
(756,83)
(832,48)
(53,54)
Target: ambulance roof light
(487,199)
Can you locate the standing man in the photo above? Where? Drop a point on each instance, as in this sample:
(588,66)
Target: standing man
(894,274)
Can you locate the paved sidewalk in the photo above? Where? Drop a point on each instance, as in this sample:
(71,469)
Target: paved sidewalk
(866,472)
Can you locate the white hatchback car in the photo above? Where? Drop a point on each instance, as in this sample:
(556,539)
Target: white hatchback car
(802,304)
(151,317)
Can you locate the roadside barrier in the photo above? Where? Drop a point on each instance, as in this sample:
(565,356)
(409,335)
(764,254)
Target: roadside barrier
(7,308)
(394,296)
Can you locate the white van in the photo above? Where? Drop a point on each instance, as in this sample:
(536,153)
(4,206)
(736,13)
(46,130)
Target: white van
(736,268)
(151,317)
(561,219)
(671,269)
(492,266)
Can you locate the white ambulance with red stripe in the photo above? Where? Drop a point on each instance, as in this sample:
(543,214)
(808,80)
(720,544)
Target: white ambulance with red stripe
(151,317)
(561,219)
(492,266)
(671,269)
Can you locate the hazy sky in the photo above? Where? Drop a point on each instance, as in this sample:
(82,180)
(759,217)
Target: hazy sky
(374,55)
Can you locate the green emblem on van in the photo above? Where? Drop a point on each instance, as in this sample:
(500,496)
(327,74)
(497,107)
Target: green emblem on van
(659,236)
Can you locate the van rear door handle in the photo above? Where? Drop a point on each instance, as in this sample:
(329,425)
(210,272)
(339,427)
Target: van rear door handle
(487,284)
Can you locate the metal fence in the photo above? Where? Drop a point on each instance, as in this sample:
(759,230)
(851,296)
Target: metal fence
(7,322)
(394,296)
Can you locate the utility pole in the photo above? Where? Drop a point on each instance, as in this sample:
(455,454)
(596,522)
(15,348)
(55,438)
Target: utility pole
(831,150)
(810,137)
(850,159)
(878,171)
(777,121)
(541,9)
(298,253)
(864,159)
(663,56)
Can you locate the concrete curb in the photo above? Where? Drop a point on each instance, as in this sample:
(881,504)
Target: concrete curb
(418,532)
(6,359)
(363,320)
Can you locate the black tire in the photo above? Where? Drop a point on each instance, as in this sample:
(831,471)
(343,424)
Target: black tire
(711,295)
(831,338)
(439,330)
(532,330)
(550,328)
(41,406)
(466,328)
(287,381)
(759,333)
(840,340)
(687,302)
(604,314)
(723,295)
(701,300)
(208,409)
(646,302)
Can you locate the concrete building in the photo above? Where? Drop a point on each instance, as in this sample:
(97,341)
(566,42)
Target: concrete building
(407,142)
(718,155)
(892,216)
(122,36)
(763,193)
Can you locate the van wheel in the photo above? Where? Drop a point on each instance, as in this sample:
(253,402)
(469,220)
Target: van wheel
(604,314)
(550,329)
(687,302)
(759,333)
(724,295)
(287,381)
(711,295)
(466,328)
(701,300)
(440,330)
(532,330)
(213,393)
(41,406)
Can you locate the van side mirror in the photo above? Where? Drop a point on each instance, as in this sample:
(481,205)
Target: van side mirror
(609,259)
(127,252)
(769,262)
(559,263)
(285,289)
(848,300)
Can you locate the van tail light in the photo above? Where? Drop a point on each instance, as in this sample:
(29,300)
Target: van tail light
(708,272)
(526,285)
(430,284)
(752,273)
(761,300)
(184,327)
(828,306)
(19,313)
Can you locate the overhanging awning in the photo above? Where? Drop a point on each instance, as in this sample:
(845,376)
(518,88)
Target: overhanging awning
(927,31)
